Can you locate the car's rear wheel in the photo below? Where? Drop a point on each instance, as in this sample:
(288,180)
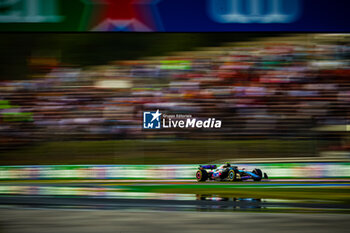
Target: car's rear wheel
(259,173)
(202,175)
(231,175)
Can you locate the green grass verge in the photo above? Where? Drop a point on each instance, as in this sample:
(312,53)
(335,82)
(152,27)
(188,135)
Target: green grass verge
(293,193)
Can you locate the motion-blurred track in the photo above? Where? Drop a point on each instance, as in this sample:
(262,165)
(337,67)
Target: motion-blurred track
(179,194)
(174,205)
(121,221)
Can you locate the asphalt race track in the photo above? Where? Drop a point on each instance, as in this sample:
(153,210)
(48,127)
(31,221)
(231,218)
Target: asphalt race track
(155,204)
(105,206)
(120,221)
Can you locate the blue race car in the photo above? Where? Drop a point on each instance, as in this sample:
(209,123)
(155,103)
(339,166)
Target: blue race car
(226,172)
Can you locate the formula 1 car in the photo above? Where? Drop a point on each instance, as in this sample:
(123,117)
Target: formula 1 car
(226,172)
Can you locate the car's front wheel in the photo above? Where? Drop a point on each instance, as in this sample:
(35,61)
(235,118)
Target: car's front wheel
(259,173)
(231,175)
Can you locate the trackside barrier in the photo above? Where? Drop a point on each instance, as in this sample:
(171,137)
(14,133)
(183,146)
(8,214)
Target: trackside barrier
(274,170)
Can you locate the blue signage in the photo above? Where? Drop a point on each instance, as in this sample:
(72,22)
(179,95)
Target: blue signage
(253,15)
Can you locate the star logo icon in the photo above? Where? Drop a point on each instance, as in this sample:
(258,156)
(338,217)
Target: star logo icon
(151,120)
(156,115)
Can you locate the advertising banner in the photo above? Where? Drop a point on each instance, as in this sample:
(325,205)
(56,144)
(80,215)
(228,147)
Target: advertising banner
(175,15)
(274,170)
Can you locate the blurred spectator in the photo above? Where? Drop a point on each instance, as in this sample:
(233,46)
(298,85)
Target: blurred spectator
(261,90)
